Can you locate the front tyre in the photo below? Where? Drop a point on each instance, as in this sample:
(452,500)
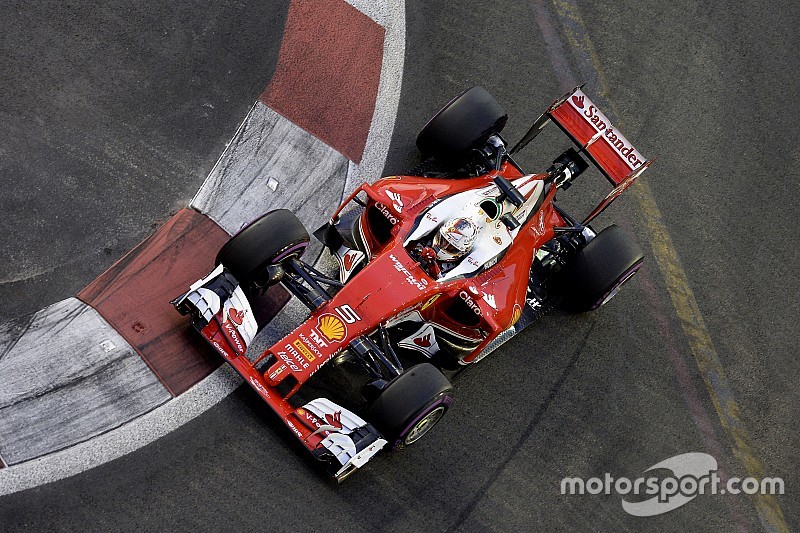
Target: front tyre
(266,241)
(600,269)
(411,405)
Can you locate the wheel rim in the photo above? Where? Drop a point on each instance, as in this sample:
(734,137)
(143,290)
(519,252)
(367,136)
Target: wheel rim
(424,425)
(613,292)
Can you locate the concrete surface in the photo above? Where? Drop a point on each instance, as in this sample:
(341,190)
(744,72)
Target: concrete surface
(40,409)
(259,172)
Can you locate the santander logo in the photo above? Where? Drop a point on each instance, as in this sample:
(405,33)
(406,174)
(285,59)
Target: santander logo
(334,419)
(236,316)
(349,260)
(423,342)
(601,123)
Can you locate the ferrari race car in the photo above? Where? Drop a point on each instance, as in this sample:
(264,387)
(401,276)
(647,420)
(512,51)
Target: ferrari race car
(436,270)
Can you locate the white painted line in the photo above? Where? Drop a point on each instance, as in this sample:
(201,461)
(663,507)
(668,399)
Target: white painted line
(266,150)
(123,440)
(65,376)
(377,10)
(381,128)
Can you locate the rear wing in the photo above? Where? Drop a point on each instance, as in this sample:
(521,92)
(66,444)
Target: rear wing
(605,146)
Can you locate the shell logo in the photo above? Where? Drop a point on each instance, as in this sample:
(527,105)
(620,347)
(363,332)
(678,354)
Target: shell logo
(331,328)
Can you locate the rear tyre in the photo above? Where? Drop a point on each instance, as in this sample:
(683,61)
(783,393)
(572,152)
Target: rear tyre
(267,241)
(411,405)
(600,269)
(464,123)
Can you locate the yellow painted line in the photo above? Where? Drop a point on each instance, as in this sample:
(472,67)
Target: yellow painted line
(683,300)
(705,354)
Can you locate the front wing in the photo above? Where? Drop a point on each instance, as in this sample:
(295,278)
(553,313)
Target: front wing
(222,314)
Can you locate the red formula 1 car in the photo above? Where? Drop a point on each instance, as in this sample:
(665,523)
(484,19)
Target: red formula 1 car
(436,270)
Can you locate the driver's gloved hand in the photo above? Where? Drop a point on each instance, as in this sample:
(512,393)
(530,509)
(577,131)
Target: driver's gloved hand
(428,259)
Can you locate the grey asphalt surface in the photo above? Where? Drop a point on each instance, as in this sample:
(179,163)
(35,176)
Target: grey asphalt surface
(711,91)
(111,117)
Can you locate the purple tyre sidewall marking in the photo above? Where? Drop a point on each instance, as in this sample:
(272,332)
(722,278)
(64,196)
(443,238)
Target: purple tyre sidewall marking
(286,253)
(613,290)
(447,401)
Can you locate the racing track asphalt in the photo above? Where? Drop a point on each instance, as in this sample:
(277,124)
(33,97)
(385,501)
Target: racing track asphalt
(615,391)
(112,116)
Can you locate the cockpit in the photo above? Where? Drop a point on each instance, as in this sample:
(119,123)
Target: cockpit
(464,234)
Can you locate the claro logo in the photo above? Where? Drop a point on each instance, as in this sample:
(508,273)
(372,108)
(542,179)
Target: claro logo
(386,213)
(470,302)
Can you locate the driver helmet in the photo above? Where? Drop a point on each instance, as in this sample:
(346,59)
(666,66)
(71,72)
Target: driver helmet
(454,239)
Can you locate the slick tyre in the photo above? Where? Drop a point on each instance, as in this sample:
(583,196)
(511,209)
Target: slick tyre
(600,269)
(266,241)
(464,123)
(411,405)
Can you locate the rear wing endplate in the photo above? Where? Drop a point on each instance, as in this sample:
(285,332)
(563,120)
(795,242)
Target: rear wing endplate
(605,146)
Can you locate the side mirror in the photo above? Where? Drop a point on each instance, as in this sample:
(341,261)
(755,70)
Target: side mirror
(508,192)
